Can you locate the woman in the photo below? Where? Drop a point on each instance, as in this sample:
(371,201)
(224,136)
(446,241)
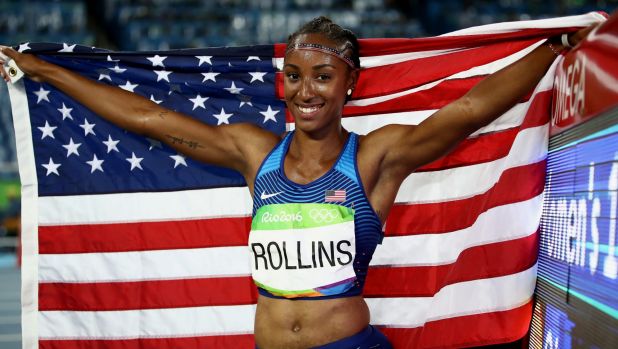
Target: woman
(321,193)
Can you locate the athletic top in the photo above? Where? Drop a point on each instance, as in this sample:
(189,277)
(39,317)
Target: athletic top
(312,241)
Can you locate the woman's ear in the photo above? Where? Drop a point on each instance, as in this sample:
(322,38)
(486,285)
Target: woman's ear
(353,79)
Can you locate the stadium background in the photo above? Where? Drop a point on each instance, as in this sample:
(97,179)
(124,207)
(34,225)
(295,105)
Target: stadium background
(140,25)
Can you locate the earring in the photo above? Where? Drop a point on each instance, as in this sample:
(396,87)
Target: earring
(349,92)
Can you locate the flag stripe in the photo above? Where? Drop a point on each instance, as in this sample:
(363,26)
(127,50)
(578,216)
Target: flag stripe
(417,282)
(233,261)
(515,290)
(443,217)
(141,236)
(502,258)
(472,330)
(193,342)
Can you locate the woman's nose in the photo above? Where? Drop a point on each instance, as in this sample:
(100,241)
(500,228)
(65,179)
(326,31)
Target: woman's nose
(306,90)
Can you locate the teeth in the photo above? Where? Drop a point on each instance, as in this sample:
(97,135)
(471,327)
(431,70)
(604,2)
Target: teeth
(308,110)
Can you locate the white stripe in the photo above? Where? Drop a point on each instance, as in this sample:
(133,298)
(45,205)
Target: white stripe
(429,249)
(480,70)
(560,22)
(151,323)
(158,206)
(502,223)
(29,230)
(464,298)
(529,147)
(145,265)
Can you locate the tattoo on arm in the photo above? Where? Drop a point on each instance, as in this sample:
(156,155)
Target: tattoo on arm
(163,114)
(180,140)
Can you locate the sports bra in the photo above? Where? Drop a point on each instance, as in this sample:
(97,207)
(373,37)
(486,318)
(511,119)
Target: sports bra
(315,240)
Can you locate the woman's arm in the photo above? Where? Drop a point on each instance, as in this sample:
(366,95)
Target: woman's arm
(234,146)
(409,147)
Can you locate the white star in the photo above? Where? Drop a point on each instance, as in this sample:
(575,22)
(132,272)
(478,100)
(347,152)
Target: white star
(233,89)
(269,114)
(95,164)
(154,144)
(128,86)
(109,59)
(67,48)
(24,47)
(198,101)
(157,60)
(88,128)
(163,75)
(41,95)
(72,147)
(51,167)
(257,76)
(66,112)
(111,144)
(135,161)
(47,130)
(253,58)
(204,59)
(210,76)
(222,117)
(178,160)
(154,100)
(104,76)
(117,69)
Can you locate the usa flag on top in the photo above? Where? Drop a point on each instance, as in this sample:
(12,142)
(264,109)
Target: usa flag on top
(334,196)
(127,244)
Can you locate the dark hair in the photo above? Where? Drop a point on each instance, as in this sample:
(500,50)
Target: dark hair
(341,36)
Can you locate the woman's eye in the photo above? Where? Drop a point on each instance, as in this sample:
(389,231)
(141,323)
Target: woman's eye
(292,76)
(324,77)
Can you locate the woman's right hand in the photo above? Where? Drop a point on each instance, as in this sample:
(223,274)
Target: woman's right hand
(28,63)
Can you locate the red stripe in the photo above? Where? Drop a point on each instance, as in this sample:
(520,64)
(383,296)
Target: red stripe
(497,259)
(381,282)
(120,237)
(465,331)
(458,214)
(492,146)
(397,77)
(147,294)
(222,341)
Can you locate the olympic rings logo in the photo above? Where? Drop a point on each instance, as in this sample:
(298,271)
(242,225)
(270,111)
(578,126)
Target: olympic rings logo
(323,215)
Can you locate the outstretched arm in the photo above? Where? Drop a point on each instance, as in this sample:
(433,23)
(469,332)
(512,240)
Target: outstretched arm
(238,146)
(409,147)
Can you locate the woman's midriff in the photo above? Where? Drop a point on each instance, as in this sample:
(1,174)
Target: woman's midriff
(296,324)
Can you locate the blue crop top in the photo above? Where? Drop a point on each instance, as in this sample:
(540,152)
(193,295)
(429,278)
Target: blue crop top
(278,200)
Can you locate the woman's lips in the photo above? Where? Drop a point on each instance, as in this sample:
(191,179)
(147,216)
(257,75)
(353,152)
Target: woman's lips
(309,111)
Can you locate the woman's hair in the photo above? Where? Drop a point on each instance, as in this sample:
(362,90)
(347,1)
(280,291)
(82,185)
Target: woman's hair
(323,25)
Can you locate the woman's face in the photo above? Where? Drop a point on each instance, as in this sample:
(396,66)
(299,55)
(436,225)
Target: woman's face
(315,84)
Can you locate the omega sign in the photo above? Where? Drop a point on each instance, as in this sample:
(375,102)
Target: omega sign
(570,92)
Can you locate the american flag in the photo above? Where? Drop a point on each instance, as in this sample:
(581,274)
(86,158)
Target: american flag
(127,244)
(334,196)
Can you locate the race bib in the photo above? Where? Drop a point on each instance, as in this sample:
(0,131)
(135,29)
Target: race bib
(303,250)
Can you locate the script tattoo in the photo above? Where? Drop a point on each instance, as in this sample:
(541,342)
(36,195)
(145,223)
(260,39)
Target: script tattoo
(180,140)
(163,114)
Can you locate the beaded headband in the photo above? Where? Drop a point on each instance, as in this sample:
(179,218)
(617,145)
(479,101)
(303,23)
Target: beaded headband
(321,48)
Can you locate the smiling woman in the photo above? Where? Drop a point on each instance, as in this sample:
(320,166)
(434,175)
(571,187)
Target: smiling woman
(320,193)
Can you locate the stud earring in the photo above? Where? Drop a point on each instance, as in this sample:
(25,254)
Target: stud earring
(349,92)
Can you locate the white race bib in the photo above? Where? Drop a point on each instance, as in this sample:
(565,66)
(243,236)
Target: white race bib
(303,250)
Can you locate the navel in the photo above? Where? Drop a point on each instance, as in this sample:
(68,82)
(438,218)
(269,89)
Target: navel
(296,327)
